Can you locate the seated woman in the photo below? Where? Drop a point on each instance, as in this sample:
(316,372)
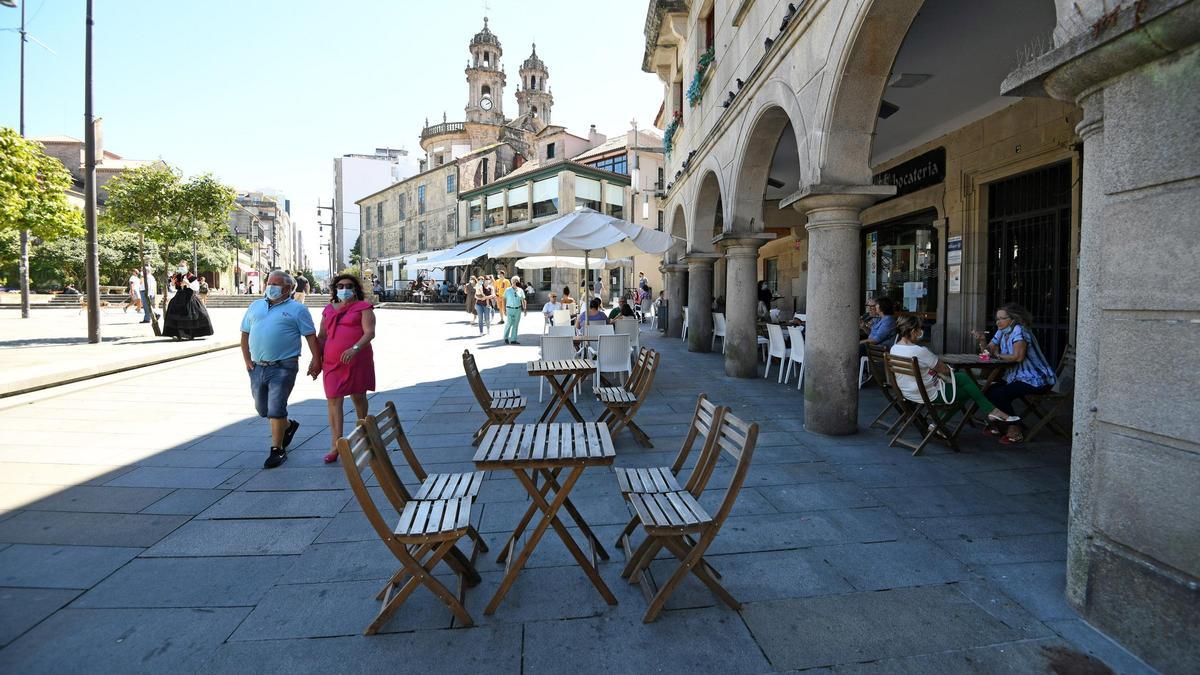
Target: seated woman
(883,331)
(1030,374)
(593,315)
(568,303)
(908,334)
(623,308)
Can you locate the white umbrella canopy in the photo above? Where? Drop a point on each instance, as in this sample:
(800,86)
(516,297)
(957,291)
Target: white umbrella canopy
(581,232)
(540,262)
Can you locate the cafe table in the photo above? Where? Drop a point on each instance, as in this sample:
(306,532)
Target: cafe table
(564,375)
(545,451)
(984,372)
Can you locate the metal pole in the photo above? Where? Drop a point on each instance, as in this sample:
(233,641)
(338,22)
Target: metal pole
(93,254)
(24,265)
(195,263)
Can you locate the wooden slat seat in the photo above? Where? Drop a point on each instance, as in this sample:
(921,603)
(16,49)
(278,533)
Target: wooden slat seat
(622,403)
(426,518)
(655,479)
(498,409)
(616,396)
(450,485)
(667,513)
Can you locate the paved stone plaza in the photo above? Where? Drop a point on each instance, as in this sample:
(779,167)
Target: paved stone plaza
(138,532)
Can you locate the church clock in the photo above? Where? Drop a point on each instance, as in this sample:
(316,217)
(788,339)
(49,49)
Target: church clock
(486,103)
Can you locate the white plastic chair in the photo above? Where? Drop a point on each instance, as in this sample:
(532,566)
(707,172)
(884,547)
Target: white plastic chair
(653,314)
(796,358)
(864,371)
(559,331)
(612,356)
(763,343)
(591,329)
(556,348)
(802,317)
(630,327)
(776,349)
(645,309)
(683,332)
(774,314)
(562,317)
(719,330)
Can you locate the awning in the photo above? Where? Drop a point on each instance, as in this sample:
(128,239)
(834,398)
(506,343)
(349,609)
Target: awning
(459,254)
(421,260)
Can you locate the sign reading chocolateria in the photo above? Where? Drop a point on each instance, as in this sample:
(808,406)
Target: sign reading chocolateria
(917,173)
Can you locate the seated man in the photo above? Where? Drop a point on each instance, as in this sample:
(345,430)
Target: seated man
(883,331)
(549,308)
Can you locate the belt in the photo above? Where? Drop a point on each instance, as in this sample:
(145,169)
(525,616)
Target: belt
(275,363)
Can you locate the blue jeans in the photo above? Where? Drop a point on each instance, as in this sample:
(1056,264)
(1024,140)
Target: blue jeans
(483,313)
(514,320)
(147,308)
(271,386)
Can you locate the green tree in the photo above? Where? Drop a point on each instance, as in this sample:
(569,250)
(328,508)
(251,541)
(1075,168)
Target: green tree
(356,252)
(33,190)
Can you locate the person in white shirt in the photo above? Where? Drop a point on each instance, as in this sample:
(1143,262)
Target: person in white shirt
(149,291)
(909,332)
(135,292)
(549,308)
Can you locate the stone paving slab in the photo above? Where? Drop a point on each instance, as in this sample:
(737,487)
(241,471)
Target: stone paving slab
(185,502)
(121,640)
(83,498)
(87,529)
(1002,550)
(173,477)
(1013,658)
(239,537)
(79,567)
(986,525)
(1038,586)
(893,564)
(303,504)
(754,577)
(24,608)
(188,582)
(817,497)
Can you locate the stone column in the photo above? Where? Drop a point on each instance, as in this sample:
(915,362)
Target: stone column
(674,279)
(832,301)
(700,298)
(741,302)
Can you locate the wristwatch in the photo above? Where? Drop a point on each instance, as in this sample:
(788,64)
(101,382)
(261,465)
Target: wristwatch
(355,348)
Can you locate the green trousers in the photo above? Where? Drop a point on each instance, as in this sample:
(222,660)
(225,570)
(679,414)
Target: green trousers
(966,387)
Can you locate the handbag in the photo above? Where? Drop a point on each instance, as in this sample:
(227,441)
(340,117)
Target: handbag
(947,380)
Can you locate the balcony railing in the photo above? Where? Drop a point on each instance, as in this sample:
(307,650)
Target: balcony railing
(443,128)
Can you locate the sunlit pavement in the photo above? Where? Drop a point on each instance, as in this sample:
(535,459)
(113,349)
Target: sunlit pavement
(138,532)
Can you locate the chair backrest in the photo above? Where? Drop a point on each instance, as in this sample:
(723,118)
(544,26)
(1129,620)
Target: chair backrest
(774,314)
(877,361)
(797,337)
(562,317)
(706,418)
(1065,375)
(642,375)
(360,458)
(599,329)
(775,338)
(613,353)
(557,347)
(387,428)
(736,440)
(719,324)
(562,329)
(685,316)
(476,380)
(802,317)
(625,326)
(901,366)
(646,305)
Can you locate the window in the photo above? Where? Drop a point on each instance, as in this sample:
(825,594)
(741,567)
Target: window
(475,215)
(533,83)
(661,180)
(614,200)
(451,182)
(618,164)
(545,197)
(645,206)
(546,277)
(484,165)
(366,218)
(378,246)
(518,204)
(379,214)
(550,151)
(401,207)
(420,199)
(401,247)
(661,222)
(452,221)
(710,29)
(677,98)
(587,193)
(494,216)
(771,274)
(421,236)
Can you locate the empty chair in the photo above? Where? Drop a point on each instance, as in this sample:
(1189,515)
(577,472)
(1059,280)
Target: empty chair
(653,317)
(501,406)
(719,330)
(796,356)
(776,349)
(612,356)
(683,329)
(628,326)
(562,317)
(557,348)
(763,343)
(645,309)
(591,329)
(558,331)
(622,403)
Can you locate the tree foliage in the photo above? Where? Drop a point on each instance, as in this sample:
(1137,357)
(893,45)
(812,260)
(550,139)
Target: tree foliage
(33,190)
(356,258)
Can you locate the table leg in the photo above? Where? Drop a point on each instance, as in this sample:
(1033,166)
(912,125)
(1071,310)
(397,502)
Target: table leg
(551,483)
(573,382)
(555,402)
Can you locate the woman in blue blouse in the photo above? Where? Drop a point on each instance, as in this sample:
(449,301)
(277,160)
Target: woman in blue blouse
(1030,373)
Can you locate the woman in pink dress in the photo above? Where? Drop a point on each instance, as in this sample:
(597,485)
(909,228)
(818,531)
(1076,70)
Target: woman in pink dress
(347,328)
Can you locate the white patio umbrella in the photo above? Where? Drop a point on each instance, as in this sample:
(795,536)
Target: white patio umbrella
(541,262)
(581,232)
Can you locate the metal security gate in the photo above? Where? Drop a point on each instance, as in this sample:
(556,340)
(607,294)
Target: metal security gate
(1029,248)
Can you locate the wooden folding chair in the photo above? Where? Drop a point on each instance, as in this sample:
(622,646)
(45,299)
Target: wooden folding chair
(425,534)
(386,427)
(664,479)
(676,521)
(1048,406)
(931,416)
(502,406)
(622,403)
(877,357)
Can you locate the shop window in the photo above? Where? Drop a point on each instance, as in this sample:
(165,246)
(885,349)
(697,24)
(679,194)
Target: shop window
(494,215)
(518,204)
(900,262)
(545,197)
(587,193)
(614,201)
(475,215)
(420,200)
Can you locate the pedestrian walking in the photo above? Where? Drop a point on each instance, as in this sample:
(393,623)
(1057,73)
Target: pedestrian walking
(149,292)
(271,332)
(469,295)
(514,304)
(186,317)
(204,291)
(501,288)
(135,292)
(483,307)
(301,289)
(347,363)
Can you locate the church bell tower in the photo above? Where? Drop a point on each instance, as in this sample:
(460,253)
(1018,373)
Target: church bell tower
(534,96)
(485,79)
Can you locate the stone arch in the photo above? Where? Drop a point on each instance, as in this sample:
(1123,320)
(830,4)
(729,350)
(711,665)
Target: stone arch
(708,217)
(679,234)
(774,106)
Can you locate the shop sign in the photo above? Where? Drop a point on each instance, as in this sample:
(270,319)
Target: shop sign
(872,243)
(915,174)
(954,250)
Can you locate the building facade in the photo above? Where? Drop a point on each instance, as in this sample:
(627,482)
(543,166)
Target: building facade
(851,149)
(354,177)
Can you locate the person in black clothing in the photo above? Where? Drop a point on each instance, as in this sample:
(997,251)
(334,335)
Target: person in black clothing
(186,317)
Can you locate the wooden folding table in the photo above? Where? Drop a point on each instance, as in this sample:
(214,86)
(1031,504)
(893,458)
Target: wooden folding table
(564,375)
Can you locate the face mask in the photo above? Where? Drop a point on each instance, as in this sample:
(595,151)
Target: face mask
(182,270)
(274,292)
(920,336)
(345,294)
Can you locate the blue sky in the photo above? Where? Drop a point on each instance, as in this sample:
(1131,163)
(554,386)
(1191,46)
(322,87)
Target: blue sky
(264,93)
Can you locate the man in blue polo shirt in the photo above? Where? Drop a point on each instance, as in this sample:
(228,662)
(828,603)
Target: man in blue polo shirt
(271,332)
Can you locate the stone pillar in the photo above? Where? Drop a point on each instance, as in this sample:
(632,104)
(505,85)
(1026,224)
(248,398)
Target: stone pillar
(832,302)
(674,279)
(741,302)
(700,298)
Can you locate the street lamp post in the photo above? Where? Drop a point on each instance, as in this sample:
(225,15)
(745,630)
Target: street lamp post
(331,225)
(93,253)
(24,264)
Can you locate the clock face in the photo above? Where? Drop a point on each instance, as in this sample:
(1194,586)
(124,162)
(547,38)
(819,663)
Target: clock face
(486,103)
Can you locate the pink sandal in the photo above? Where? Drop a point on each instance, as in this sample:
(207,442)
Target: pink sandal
(331,457)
